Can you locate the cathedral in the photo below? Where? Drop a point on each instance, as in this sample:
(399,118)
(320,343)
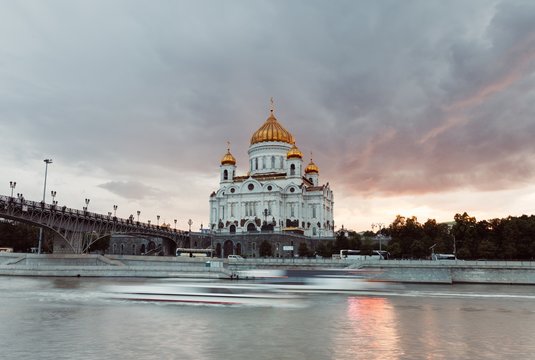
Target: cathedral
(279,201)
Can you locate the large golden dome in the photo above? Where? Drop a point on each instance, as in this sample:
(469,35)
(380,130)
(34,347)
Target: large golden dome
(271,130)
(228,159)
(294,152)
(312,168)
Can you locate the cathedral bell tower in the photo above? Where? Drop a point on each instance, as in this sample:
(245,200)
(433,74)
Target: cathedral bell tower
(312,173)
(227,168)
(294,161)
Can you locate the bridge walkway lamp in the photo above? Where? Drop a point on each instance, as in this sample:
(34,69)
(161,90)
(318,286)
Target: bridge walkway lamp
(175,224)
(47,161)
(157,220)
(12,185)
(115,210)
(138,212)
(53,194)
(86,204)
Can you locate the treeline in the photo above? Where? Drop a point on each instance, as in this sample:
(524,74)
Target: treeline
(511,238)
(22,237)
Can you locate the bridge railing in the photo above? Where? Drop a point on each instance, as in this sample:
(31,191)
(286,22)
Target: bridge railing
(44,207)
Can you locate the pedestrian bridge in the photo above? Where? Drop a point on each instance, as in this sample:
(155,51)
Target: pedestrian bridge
(79,228)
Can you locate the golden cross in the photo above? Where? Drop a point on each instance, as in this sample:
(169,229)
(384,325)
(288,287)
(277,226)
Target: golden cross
(272,105)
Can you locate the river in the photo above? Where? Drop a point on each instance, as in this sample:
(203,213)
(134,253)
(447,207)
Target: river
(74,318)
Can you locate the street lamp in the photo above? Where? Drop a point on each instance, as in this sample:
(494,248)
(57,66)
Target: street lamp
(12,185)
(189,223)
(47,161)
(138,212)
(450,228)
(175,224)
(114,210)
(86,204)
(53,194)
(157,220)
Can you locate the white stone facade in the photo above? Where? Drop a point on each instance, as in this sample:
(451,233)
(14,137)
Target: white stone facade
(278,193)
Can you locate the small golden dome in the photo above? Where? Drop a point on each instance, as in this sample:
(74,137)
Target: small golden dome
(312,168)
(228,159)
(294,152)
(271,130)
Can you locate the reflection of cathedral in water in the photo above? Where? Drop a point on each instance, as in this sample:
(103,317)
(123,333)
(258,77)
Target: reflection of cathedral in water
(280,201)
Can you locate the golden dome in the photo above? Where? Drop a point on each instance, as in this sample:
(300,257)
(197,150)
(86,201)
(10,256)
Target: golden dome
(311,167)
(271,130)
(228,159)
(294,152)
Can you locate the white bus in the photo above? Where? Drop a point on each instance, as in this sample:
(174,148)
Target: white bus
(361,255)
(443,257)
(194,252)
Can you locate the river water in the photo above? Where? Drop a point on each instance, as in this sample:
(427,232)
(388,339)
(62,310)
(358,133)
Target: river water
(73,318)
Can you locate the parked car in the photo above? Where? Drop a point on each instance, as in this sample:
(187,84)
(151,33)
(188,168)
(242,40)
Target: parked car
(235,257)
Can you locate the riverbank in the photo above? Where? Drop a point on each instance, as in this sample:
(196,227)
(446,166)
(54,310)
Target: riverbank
(404,271)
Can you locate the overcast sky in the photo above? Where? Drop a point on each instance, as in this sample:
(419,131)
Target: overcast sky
(422,108)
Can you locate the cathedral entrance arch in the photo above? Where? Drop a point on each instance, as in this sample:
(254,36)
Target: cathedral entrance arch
(228,248)
(218,250)
(238,249)
(251,227)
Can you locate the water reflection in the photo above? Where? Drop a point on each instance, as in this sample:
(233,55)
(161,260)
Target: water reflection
(368,330)
(69,319)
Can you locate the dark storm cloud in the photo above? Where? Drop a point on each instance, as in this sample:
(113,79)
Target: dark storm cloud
(392,97)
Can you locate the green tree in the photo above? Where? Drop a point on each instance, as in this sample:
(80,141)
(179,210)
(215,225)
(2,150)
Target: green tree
(265,249)
(302,250)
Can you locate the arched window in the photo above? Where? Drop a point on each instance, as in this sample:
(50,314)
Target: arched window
(133,249)
(122,249)
(115,248)
(273,162)
(314,231)
(292,169)
(225,175)
(256,163)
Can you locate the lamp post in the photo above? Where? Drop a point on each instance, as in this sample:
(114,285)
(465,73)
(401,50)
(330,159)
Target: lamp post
(450,228)
(138,212)
(114,210)
(86,204)
(53,194)
(157,220)
(47,161)
(381,226)
(189,223)
(12,185)
(175,224)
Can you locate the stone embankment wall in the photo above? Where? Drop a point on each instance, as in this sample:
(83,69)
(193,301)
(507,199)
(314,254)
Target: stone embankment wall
(447,271)
(108,266)
(439,272)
